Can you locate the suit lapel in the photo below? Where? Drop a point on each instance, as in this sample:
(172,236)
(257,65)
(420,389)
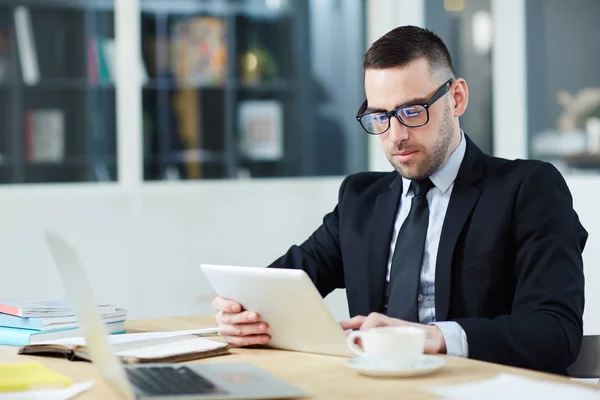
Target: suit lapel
(380,234)
(463,199)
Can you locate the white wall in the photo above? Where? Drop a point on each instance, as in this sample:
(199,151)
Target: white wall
(586,196)
(142,247)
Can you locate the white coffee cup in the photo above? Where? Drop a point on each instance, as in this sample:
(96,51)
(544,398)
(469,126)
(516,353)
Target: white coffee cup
(389,346)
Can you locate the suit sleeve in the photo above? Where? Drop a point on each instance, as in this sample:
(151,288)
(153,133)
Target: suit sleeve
(545,328)
(320,255)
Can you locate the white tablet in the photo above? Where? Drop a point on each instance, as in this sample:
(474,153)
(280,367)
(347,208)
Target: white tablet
(288,301)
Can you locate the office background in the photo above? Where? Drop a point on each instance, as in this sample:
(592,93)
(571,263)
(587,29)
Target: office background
(116,133)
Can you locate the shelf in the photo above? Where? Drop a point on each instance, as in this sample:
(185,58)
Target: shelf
(276,85)
(153,84)
(262,13)
(66,84)
(199,156)
(68,161)
(214,7)
(65,164)
(166,84)
(97,5)
(221,7)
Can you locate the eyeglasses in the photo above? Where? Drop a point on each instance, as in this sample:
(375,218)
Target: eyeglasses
(411,116)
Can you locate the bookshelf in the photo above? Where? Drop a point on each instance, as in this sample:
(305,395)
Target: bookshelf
(58,125)
(227,90)
(194,118)
(191,126)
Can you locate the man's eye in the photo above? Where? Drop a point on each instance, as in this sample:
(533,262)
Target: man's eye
(412,111)
(380,118)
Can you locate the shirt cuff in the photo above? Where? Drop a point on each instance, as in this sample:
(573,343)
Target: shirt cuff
(455,337)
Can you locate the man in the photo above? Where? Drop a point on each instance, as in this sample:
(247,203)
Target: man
(484,253)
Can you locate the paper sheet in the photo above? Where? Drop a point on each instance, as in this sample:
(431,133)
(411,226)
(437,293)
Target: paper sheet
(48,394)
(513,387)
(134,337)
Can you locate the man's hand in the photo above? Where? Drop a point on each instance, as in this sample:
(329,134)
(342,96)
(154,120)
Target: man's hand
(237,326)
(434,342)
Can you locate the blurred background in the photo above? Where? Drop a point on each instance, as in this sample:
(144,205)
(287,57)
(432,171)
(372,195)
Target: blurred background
(160,134)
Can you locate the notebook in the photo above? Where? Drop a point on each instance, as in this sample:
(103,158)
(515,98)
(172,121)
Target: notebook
(40,308)
(23,337)
(54,323)
(132,351)
(30,376)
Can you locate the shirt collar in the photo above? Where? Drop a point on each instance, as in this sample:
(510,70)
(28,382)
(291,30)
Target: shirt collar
(447,173)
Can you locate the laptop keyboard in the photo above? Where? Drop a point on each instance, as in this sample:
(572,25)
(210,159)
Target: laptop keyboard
(170,381)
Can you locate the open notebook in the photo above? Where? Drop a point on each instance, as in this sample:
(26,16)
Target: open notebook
(137,348)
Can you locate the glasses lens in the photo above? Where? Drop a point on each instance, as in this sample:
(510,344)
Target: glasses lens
(375,123)
(413,115)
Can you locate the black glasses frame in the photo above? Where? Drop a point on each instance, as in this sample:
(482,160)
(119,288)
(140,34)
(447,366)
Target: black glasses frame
(396,112)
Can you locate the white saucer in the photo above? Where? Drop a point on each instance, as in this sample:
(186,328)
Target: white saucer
(426,365)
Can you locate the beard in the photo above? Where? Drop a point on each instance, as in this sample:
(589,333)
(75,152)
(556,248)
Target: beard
(430,161)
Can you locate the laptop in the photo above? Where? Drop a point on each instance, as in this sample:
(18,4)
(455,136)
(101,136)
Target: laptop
(288,301)
(235,380)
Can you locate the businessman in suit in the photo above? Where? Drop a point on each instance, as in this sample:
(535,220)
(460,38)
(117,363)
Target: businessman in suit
(484,253)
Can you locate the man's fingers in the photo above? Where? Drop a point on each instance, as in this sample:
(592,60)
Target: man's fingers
(374,320)
(225,305)
(243,317)
(243,329)
(247,340)
(353,323)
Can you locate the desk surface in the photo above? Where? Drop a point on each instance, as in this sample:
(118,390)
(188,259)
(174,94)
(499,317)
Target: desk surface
(323,376)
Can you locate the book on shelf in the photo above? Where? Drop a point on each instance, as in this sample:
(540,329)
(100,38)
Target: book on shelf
(102,61)
(30,69)
(53,323)
(5,39)
(186,103)
(23,337)
(261,129)
(93,67)
(47,307)
(199,51)
(45,135)
(107,49)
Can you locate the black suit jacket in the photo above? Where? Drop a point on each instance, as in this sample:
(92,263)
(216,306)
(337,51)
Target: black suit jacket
(509,266)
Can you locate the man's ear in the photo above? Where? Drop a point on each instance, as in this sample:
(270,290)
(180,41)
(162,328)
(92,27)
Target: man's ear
(460,94)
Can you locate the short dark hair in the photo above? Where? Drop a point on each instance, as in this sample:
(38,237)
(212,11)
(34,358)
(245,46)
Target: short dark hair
(405,44)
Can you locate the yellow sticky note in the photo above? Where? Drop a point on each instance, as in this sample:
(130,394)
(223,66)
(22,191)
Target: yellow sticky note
(30,376)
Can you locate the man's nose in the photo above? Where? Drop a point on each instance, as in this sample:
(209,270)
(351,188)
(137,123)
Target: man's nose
(398,132)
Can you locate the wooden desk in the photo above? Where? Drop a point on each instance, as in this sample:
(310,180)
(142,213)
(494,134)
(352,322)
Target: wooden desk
(324,376)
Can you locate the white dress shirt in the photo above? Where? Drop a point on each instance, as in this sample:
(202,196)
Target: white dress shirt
(437,198)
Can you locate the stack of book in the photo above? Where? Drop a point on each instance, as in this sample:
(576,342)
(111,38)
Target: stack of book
(31,321)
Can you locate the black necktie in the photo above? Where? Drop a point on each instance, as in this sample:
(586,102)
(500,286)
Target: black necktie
(408,256)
